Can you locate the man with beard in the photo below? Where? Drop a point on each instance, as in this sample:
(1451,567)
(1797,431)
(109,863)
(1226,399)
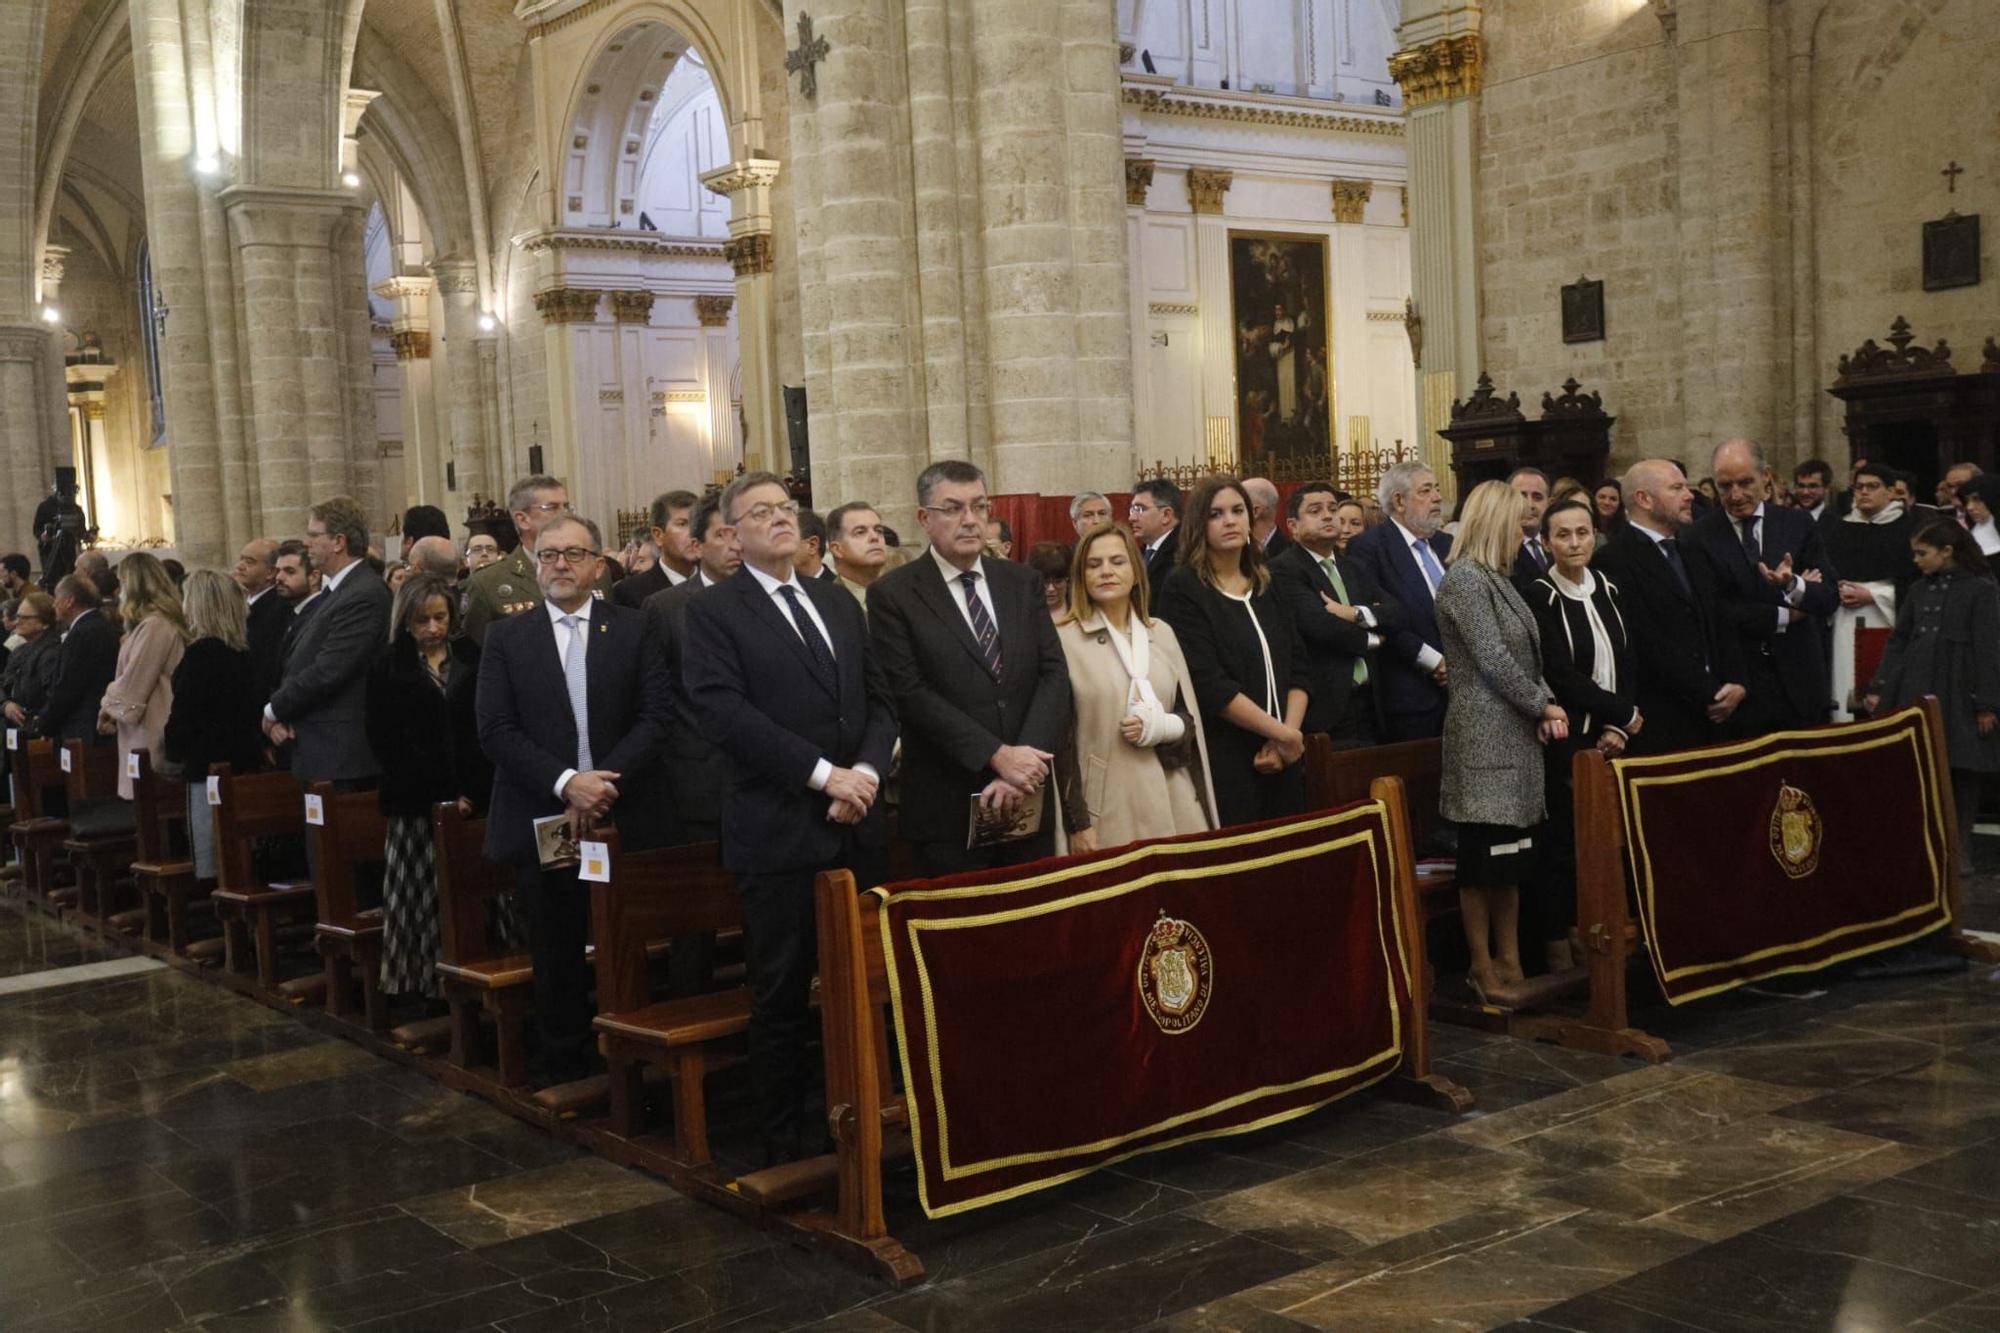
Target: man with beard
(1404,557)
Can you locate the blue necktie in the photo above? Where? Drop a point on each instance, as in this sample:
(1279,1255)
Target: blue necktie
(579,691)
(983,628)
(1428,562)
(1672,551)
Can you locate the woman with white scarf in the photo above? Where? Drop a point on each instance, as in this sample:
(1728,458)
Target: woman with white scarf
(1585,659)
(1136,763)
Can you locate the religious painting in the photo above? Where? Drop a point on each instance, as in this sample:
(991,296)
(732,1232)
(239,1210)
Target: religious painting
(1583,311)
(1951,252)
(1284,381)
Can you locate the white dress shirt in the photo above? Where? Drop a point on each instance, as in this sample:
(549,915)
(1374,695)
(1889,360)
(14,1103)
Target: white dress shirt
(1428,658)
(823,769)
(565,642)
(1794,594)
(952,574)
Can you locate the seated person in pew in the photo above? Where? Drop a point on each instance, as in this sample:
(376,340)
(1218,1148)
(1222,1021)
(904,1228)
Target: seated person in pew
(214,715)
(424,729)
(572,710)
(784,683)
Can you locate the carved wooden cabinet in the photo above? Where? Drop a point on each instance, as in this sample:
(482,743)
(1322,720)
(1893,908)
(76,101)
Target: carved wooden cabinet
(1912,409)
(1490,436)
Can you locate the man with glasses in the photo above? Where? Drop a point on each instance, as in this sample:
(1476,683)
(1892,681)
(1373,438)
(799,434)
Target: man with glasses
(1154,513)
(978,675)
(572,711)
(507,587)
(781,681)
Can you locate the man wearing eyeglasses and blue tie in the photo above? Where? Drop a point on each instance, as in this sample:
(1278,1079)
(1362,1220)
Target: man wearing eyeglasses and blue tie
(1405,557)
(572,711)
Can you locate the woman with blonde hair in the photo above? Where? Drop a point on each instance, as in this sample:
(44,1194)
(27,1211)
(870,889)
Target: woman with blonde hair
(214,719)
(141,694)
(1244,656)
(1499,713)
(1135,764)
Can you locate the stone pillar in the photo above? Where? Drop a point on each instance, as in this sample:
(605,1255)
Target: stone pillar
(458,285)
(1439,71)
(1347,334)
(499,468)
(23,428)
(299,359)
(356,338)
(560,308)
(1207,190)
(747,186)
(1138,186)
(725,447)
(410,339)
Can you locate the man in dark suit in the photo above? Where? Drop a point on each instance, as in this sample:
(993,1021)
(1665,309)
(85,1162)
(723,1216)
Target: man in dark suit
(1532,560)
(1341,615)
(267,612)
(1777,592)
(572,711)
(673,537)
(1688,671)
(1154,514)
(782,681)
(978,675)
(86,667)
(321,704)
(1404,555)
(1814,496)
(1267,525)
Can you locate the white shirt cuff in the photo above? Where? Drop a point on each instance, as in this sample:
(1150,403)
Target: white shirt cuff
(1366,617)
(1429,658)
(869,769)
(1374,642)
(269,716)
(563,781)
(821,772)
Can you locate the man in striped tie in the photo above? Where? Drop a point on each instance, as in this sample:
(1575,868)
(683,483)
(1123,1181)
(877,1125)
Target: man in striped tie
(978,675)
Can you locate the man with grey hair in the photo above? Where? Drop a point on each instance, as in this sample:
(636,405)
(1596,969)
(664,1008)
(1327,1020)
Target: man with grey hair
(1092,509)
(1687,670)
(1265,529)
(1404,556)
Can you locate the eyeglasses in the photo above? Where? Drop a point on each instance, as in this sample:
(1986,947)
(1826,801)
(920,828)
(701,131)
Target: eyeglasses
(953,512)
(574,555)
(546,507)
(763,513)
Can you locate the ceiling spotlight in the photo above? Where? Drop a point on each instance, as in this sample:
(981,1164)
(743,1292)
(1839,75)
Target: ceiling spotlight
(487,323)
(351,180)
(208,164)
(51,315)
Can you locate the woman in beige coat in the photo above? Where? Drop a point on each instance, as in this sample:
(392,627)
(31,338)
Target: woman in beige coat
(1135,765)
(140,696)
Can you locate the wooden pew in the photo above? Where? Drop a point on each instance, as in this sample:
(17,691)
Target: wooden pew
(1337,777)
(100,858)
(247,807)
(37,834)
(867,1116)
(348,832)
(478,974)
(162,864)
(651,896)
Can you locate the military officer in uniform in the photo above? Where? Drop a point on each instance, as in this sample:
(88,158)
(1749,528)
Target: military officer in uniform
(507,586)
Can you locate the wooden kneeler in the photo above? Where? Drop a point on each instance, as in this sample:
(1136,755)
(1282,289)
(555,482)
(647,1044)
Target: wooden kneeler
(868,1119)
(478,976)
(247,807)
(162,863)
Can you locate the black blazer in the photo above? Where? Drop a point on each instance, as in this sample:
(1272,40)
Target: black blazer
(324,694)
(426,739)
(31,673)
(88,665)
(1401,686)
(635,589)
(694,772)
(527,730)
(1160,563)
(954,713)
(270,622)
(1680,654)
(1748,603)
(216,710)
(761,701)
(1331,644)
(1223,658)
(1569,655)
(1526,571)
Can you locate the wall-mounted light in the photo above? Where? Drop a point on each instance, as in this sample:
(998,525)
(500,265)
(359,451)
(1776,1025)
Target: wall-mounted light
(351,180)
(487,323)
(208,165)
(51,315)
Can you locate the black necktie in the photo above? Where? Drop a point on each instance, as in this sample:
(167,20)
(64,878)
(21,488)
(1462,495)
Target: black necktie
(1672,551)
(1535,554)
(816,644)
(983,628)
(1751,547)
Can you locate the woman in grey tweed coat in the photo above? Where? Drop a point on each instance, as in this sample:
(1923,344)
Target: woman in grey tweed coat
(1499,713)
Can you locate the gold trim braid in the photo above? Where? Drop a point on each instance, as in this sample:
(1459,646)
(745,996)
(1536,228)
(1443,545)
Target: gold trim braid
(1440,71)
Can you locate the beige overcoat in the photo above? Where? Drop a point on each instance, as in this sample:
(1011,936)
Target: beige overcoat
(142,693)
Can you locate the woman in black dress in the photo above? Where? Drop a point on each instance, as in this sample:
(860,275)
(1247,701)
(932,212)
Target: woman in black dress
(216,708)
(424,732)
(1245,657)
(1586,660)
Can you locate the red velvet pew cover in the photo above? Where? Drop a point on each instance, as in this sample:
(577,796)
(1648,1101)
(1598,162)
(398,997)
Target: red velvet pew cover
(1057,1017)
(1786,854)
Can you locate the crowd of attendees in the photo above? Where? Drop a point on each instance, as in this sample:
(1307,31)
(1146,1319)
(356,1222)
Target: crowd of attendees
(752,673)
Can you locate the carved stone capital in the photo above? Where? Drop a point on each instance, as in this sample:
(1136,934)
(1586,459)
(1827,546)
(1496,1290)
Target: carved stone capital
(1439,71)
(54,257)
(456,277)
(411,344)
(1206,188)
(749,254)
(713,311)
(749,173)
(632,307)
(1350,199)
(94,410)
(568,305)
(1138,180)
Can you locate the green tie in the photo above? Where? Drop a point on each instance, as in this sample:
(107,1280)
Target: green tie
(1332,568)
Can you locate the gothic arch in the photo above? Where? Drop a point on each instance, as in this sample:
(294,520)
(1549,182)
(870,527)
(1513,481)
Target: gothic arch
(109,40)
(608,127)
(415,134)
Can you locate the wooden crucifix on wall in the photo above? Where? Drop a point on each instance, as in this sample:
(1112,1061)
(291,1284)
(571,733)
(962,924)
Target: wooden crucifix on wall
(811,50)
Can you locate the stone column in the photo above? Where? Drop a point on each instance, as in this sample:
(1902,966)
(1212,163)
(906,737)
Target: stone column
(560,308)
(1439,71)
(725,447)
(747,186)
(297,342)
(410,339)
(499,468)
(1347,332)
(23,427)
(1207,190)
(1138,185)
(458,285)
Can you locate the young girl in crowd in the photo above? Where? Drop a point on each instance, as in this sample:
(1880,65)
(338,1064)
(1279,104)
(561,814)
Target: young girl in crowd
(1947,643)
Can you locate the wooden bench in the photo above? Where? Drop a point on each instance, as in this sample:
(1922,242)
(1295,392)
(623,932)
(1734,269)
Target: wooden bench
(651,896)
(247,807)
(478,975)
(1336,777)
(348,832)
(100,857)
(162,863)
(36,832)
